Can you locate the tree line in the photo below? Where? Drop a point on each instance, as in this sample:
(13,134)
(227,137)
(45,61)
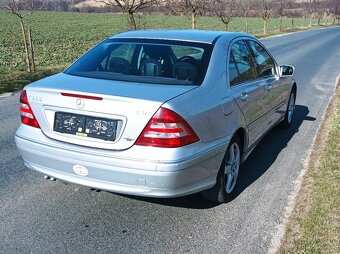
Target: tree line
(224,10)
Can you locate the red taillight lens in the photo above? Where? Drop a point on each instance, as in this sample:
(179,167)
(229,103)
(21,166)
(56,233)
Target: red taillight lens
(167,129)
(27,116)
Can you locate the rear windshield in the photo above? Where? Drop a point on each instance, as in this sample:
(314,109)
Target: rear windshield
(146,61)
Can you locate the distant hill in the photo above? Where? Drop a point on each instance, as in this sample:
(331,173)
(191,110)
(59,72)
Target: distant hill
(89,3)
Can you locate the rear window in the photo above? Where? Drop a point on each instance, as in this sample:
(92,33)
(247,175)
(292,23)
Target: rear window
(146,61)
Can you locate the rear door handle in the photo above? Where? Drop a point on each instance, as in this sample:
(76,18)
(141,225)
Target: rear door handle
(244,96)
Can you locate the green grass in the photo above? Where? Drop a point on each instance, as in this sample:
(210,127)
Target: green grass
(61,37)
(315,224)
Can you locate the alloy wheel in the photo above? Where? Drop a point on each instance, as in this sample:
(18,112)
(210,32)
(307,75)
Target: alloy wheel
(232,167)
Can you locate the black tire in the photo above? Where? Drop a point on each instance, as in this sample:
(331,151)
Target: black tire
(220,193)
(286,122)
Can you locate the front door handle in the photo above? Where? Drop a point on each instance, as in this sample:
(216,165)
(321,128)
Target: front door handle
(244,96)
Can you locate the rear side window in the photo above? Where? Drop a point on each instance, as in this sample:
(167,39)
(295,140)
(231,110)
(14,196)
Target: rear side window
(242,59)
(145,61)
(233,72)
(264,63)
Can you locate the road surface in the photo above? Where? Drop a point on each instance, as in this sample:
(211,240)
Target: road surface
(41,216)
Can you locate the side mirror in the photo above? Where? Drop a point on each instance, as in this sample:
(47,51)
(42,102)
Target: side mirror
(286,70)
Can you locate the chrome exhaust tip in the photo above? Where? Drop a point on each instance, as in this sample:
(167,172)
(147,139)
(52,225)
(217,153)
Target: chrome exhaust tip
(51,178)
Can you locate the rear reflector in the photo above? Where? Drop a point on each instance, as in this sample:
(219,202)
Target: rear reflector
(82,96)
(27,116)
(167,129)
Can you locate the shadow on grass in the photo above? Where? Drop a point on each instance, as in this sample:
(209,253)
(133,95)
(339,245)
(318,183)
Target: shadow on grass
(253,168)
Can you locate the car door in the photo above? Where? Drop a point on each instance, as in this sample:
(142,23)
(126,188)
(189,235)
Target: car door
(266,70)
(247,89)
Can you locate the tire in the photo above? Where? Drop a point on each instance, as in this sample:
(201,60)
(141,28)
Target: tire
(286,122)
(226,180)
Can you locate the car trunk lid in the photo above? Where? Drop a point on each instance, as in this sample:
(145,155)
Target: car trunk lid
(127,105)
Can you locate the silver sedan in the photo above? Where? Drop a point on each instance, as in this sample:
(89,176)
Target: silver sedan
(156,113)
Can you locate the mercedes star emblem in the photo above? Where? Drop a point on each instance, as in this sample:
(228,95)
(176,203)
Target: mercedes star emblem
(80,103)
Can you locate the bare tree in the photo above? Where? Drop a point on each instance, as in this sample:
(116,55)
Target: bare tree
(281,7)
(265,9)
(225,10)
(310,8)
(292,11)
(331,10)
(245,7)
(334,8)
(320,8)
(194,8)
(130,8)
(23,9)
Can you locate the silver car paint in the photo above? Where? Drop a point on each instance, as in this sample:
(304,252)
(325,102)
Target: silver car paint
(214,110)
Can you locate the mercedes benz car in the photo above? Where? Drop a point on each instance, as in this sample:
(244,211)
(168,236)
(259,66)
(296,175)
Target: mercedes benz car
(156,113)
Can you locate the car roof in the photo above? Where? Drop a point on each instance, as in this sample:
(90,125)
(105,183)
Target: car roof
(202,36)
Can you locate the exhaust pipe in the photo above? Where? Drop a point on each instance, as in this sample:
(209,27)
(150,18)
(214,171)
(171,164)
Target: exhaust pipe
(50,178)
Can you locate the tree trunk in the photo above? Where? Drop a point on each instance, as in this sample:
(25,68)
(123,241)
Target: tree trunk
(319,21)
(193,20)
(30,41)
(310,21)
(293,24)
(281,23)
(333,23)
(25,44)
(226,26)
(132,21)
(265,26)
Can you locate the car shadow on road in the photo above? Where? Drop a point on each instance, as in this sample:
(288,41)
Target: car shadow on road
(267,151)
(252,169)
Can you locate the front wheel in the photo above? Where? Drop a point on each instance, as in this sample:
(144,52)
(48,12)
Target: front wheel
(227,175)
(286,122)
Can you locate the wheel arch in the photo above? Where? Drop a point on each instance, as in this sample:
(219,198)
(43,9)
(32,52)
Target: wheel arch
(242,135)
(294,89)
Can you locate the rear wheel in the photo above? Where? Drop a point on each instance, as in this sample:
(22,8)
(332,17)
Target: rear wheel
(289,112)
(227,176)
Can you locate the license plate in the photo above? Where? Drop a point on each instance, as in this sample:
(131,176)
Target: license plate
(85,126)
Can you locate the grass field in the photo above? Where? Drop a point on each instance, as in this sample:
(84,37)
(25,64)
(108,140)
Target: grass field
(61,37)
(314,226)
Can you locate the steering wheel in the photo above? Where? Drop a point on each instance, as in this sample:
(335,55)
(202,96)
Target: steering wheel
(187,59)
(119,65)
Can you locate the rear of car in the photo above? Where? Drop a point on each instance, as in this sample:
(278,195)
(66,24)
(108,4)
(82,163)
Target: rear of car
(157,113)
(107,121)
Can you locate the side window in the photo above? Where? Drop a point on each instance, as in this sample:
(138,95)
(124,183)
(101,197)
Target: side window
(233,72)
(265,64)
(243,62)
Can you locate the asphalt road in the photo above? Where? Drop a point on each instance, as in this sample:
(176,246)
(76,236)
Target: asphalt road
(40,216)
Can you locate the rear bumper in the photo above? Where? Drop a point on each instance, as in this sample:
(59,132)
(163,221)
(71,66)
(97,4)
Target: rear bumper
(123,175)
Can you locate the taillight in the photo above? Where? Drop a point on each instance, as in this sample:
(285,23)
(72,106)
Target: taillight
(27,116)
(167,129)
